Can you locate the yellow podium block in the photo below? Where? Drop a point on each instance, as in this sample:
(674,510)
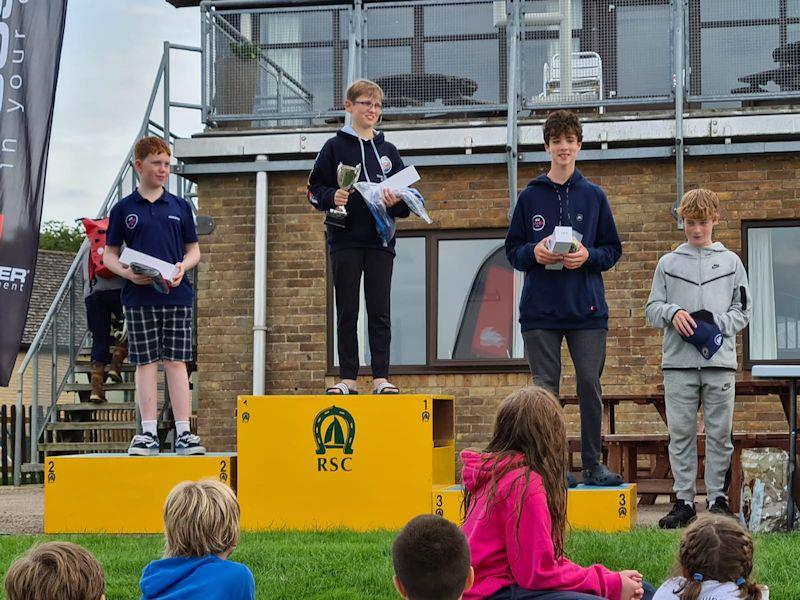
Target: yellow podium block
(602,508)
(361,462)
(589,508)
(115,493)
(446,502)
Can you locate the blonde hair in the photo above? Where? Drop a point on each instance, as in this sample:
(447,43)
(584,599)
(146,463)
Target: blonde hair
(60,570)
(200,518)
(719,548)
(699,204)
(150,145)
(364,87)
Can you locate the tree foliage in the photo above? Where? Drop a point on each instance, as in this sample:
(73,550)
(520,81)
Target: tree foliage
(57,235)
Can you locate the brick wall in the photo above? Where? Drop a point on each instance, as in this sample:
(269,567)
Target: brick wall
(641,194)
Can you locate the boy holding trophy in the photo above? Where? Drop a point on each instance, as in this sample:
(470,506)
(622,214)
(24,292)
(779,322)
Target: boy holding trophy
(562,236)
(358,153)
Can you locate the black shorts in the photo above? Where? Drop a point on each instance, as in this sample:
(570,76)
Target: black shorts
(159,333)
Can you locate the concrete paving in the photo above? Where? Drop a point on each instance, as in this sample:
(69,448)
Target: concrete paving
(21,509)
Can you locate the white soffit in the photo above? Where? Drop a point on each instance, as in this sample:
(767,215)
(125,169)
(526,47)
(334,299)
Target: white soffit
(483,136)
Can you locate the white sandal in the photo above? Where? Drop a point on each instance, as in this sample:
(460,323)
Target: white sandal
(340,389)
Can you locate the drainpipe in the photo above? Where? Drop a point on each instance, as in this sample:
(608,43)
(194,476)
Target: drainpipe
(260,283)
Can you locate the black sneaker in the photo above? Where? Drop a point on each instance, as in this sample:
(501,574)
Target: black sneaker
(681,515)
(144,444)
(600,475)
(571,481)
(720,507)
(187,444)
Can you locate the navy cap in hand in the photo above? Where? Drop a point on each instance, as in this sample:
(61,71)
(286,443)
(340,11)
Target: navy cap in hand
(707,337)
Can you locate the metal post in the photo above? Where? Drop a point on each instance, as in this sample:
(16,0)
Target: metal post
(678,86)
(166,132)
(260,284)
(792,451)
(18,435)
(71,329)
(354,47)
(205,72)
(565,48)
(513,34)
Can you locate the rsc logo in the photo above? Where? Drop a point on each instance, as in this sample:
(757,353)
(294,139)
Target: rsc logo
(334,429)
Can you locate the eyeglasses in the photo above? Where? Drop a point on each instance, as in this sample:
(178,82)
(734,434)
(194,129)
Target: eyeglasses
(369,105)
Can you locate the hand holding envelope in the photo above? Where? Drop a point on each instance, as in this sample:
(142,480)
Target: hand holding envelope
(162,274)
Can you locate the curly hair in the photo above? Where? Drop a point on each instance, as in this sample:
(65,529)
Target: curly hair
(529,436)
(561,122)
(719,548)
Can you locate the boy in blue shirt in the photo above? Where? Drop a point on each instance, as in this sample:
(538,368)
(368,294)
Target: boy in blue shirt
(155,222)
(568,302)
(201,527)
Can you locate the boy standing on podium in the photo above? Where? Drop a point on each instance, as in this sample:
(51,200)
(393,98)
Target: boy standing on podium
(153,221)
(567,301)
(354,245)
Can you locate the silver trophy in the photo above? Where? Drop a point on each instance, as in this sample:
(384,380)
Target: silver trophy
(346,178)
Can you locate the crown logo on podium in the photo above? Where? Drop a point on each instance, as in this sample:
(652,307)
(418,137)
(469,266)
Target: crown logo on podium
(334,428)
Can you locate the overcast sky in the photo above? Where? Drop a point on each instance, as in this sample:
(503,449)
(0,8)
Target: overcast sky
(111,52)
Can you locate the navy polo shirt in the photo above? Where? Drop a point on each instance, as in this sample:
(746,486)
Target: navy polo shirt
(160,229)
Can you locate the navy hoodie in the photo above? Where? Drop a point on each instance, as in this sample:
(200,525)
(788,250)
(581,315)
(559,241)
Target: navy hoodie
(569,298)
(207,577)
(379,159)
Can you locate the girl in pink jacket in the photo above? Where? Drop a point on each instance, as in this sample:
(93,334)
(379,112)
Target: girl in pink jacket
(515,500)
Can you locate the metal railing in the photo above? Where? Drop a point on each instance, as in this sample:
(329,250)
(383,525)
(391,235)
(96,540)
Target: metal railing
(455,58)
(63,331)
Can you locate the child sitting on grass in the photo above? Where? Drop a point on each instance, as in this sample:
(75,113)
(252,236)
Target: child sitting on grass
(715,562)
(431,560)
(201,526)
(55,571)
(515,500)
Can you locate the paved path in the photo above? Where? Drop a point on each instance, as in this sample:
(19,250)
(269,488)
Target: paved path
(21,509)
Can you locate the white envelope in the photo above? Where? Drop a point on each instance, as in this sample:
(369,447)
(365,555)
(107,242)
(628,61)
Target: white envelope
(167,270)
(402,179)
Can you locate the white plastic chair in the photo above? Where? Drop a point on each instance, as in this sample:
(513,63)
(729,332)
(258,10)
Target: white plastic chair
(587,77)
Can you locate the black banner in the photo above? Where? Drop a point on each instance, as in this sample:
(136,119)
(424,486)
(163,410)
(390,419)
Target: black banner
(31,32)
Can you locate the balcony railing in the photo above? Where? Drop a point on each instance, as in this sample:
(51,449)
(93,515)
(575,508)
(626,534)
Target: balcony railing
(271,64)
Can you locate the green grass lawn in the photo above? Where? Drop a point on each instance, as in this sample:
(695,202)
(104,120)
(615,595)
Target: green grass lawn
(342,564)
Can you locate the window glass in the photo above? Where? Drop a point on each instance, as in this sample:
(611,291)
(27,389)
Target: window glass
(475,301)
(773,259)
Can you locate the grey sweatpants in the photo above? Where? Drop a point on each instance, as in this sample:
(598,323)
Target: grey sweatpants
(587,347)
(684,391)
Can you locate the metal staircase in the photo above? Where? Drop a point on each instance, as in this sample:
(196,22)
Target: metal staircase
(62,419)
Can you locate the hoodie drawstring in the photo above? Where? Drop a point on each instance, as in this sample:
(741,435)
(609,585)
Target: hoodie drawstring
(363,158)
(560,203)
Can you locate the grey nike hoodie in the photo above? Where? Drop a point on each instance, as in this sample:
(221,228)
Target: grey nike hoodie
(693,278)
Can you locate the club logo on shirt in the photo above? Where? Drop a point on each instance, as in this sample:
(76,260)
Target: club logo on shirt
(537,222)
(174,218)
(579,217)
(131,221)
(718,339)
(386,164)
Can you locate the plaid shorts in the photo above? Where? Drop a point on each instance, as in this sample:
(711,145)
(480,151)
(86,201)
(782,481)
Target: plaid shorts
(159,333)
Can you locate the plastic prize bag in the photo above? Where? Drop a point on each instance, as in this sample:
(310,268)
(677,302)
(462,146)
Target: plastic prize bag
(765,489)
(384,222)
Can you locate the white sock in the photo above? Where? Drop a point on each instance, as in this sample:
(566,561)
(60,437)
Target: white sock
(149,427)
(182,427)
